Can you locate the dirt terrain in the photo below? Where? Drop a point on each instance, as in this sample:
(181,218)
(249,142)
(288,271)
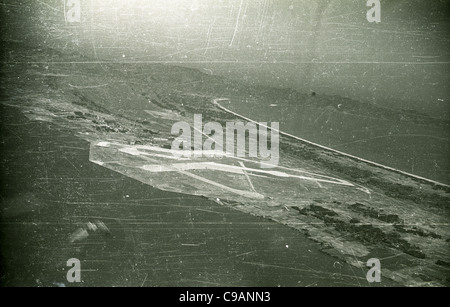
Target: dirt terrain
(356,211)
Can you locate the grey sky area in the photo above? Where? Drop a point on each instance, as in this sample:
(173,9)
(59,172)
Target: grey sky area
(324,46)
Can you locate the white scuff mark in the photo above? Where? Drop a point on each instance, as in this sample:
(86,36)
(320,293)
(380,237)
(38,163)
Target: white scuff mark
(246,176)
(88,86)
(51,75)
(193,244)
(237,23)
(103,144)
(363,189)
(135,152)
(79,235)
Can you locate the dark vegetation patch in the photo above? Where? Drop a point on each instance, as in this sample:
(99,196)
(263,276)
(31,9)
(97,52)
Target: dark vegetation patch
(375,214)
(443,263)
(369,234)
(416,231)
(104,129)
(399,225)
(88,103)
(404,192)
(366,234)
(355,173)
(316,211)
(299,152)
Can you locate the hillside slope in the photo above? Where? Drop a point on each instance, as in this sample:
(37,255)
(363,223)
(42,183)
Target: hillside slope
(355,210)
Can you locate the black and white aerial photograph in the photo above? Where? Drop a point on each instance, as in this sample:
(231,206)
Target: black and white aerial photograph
(224,144)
